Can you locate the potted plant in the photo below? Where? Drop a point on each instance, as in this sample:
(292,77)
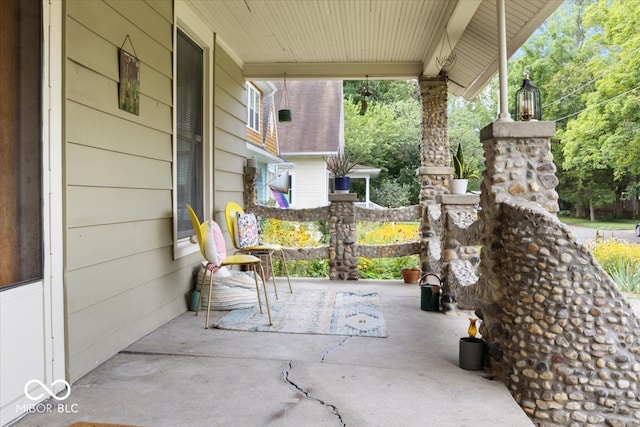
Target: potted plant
(339,166)
(410,270)
(462,172)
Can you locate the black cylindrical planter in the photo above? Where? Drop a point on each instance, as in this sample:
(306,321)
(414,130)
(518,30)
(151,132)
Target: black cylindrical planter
(471,356)
(284,115)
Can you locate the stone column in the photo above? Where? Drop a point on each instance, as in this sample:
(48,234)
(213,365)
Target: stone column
(519,166)
(250,193)
(343,247)
(460,257)
(435,162)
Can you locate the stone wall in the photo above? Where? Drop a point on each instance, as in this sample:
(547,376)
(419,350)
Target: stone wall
(341,214)
(560,334)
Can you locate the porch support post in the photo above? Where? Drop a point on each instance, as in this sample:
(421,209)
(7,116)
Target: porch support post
(343,245)
(502,45)
(435,165)
(250,193)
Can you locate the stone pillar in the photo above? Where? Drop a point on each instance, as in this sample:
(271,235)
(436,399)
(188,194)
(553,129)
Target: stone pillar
(250,193)
(435,161)
(460,256)
(343,247)
(560,334)
(519,166)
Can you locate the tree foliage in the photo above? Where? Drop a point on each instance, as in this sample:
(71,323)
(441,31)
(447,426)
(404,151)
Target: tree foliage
(584,59)
(387,136)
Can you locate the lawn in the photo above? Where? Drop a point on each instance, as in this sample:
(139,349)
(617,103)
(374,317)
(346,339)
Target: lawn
(614,224)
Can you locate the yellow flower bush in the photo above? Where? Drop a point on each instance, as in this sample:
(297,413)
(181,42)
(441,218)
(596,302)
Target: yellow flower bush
(621,260)
(293,234)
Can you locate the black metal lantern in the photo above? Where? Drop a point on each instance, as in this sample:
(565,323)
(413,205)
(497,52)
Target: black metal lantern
(528,101)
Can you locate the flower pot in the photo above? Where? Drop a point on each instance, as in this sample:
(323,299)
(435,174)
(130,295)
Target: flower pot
(458,186)
(341,184)
(410,275)
(471,354)
(284,115)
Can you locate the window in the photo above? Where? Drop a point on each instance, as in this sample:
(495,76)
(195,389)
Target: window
(253,108)
(193,125)
(21,248)
(189,126)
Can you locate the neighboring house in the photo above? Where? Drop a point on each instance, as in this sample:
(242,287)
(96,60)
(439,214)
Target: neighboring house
(96,247)
(262,134)
(315,132)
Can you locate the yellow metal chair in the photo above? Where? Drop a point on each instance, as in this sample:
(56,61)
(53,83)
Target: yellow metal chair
(230,212)
(252,262)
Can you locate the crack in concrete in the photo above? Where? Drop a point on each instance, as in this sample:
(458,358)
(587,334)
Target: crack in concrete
(307,395)
(333,348)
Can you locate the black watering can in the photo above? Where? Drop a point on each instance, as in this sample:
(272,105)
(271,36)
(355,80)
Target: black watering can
(430,292)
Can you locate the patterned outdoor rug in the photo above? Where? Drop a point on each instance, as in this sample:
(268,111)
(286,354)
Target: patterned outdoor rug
(313,312)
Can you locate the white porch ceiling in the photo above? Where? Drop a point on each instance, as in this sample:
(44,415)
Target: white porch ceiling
(350,39)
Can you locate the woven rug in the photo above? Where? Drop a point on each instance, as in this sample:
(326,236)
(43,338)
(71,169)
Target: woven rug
(313,312)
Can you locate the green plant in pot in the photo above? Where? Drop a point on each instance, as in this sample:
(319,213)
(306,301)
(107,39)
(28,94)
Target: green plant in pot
(410,269)
(462,173)
(339,166)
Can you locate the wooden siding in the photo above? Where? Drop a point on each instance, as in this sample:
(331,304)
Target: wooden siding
(121,278)
(310,182)
(229,135)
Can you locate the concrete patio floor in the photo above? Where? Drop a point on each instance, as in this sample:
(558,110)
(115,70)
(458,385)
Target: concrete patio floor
(184,375)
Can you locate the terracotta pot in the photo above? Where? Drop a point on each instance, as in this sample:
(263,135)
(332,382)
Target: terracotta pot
(411,275)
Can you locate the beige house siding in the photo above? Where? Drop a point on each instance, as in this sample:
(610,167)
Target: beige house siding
(230,133)
(120,277)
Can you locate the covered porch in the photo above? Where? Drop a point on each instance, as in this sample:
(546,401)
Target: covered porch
(183,374)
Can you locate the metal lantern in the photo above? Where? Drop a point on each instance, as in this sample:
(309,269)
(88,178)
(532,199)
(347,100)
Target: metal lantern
(528,101)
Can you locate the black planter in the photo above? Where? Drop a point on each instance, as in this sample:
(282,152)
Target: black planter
(284,115)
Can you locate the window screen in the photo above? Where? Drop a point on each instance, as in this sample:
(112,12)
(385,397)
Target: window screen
(21,250)
(189,112)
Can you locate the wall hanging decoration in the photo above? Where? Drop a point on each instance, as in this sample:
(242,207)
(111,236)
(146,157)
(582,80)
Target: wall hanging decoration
(284,115)
(129,86)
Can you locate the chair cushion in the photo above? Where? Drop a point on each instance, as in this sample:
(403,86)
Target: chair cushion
(247,234)
(215,248)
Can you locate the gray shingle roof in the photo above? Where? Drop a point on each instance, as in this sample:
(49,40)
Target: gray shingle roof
(316,107)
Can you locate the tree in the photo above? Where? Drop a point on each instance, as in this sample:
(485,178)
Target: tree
(387,136)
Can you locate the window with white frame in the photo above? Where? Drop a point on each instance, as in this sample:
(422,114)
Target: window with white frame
(253,108)
(193,136)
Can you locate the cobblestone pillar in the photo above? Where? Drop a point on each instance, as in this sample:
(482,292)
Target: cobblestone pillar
(460,255)
(343,247)
(250,193)
(435,162)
